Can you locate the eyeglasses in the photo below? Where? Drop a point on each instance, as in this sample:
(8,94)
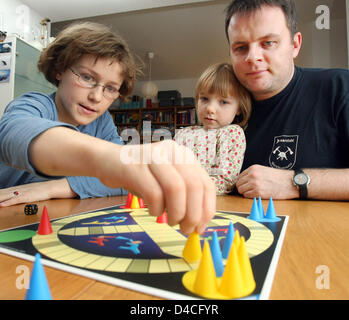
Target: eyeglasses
(87,81)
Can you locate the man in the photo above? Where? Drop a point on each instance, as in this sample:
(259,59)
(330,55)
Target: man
(298,133)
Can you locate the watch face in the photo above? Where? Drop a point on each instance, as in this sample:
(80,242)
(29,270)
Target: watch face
(301,179)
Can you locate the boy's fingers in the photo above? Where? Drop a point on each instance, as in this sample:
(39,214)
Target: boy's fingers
(209,205)
(194,190)
(173,189)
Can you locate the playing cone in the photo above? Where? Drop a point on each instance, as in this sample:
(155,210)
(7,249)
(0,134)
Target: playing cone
(271,214)
(228,241)
(217,255)
(236,240)
(134,202)
(38,289)
(128,201)
(141,203)
(45,225)
(245,268)
(162,218)
(232,284)
(260,207)
(192,248)
(206,282)
(255,212)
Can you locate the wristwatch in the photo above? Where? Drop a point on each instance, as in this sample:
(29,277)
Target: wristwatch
(301,180)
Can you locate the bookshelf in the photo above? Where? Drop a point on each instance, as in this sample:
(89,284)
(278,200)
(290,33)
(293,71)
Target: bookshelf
(147,120)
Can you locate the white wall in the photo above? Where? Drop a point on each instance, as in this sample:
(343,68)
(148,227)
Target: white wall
(324,33)
(15,17)
(320,47)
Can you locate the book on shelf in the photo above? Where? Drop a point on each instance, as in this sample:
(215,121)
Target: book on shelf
(186,117)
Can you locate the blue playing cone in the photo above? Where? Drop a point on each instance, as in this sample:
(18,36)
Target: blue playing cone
(271,214)
(38,289)
(255,212)
(217,255)
(260,206)
(228,241)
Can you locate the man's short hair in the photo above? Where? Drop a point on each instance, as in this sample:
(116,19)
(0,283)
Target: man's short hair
(246,6)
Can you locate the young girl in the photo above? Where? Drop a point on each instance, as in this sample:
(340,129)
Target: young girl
(223,107)
(65,144)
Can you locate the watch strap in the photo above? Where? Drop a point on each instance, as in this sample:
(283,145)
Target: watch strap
(303,189)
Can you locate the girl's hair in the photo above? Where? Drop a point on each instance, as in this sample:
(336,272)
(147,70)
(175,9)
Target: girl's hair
(88,38)
(220,79)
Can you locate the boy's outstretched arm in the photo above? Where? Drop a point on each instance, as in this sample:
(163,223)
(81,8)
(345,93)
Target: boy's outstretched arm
(166,175)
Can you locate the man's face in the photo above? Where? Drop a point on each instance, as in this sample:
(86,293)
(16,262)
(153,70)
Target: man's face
(262,52)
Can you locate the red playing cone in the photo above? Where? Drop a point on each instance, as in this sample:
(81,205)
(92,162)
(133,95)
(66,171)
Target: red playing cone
(45,224)
(141,203)
(162,218)
(128,201)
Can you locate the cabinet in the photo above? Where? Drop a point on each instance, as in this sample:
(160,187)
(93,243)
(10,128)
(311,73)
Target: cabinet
(147,120)
(21,67)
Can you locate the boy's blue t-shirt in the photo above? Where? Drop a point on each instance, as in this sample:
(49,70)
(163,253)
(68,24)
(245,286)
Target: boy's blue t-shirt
(24,119)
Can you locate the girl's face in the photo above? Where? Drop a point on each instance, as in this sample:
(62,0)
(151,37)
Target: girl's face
(215,111)
(79,105)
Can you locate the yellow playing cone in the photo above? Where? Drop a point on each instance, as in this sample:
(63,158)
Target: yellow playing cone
(203,281)
(246,269)
(192,248)
(232,284)
(236,240)
(134,202)
(206,282)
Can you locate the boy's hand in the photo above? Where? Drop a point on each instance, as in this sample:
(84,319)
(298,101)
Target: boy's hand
(168,176)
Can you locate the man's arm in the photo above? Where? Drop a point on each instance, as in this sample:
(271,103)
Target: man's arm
(326,184)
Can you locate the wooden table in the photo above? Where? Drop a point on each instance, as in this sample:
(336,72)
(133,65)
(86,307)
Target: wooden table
(317,240)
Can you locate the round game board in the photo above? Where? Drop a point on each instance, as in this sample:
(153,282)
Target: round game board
(130,240)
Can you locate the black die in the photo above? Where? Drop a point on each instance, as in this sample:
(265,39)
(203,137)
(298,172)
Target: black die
(30,209)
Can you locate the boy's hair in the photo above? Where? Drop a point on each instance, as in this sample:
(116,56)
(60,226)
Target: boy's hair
(88,38)
(220,79)
(246,6)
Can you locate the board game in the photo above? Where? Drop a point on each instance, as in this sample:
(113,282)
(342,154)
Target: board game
(129,248)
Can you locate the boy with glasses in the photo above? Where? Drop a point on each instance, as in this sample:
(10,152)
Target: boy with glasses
(65,145)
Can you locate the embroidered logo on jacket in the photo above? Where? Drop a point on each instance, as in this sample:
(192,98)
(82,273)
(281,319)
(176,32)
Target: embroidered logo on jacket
(284,152)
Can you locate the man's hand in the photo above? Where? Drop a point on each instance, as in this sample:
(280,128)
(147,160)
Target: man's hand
(267,182)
